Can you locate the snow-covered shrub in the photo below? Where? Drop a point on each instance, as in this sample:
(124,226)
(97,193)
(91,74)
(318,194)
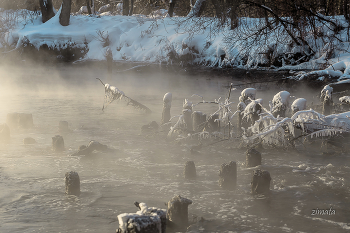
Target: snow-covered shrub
(326,91)
(298,105)
(247,95)
(280,103)
(251,113)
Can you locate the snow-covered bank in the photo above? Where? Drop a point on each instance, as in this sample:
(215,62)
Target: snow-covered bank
(180,40)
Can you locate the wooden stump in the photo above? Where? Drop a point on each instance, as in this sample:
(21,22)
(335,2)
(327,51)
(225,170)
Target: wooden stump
(261,182)
(178,211)
(72,182)
(190,170)
(19,120)
(63,126)
(228,175)
(4,133)
(57,143)
(253,158)
(147,220)
(198,121)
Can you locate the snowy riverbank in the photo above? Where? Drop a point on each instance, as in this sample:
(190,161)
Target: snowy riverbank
(164,40)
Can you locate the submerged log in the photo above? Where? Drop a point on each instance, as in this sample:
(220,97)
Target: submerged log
(19,120)
(72,182)
(190,170)
(253,158)
(4,133)
(147,220)
(178,211)
(228,175)
(57,143)
(260,182)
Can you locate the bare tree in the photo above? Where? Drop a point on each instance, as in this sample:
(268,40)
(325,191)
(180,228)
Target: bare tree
(46,10)
(65,12)
(171,7)
(197,8)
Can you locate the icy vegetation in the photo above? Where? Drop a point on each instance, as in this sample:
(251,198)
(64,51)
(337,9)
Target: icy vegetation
(182,40)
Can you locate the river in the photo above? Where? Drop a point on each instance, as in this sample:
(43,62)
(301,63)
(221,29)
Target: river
(148,168)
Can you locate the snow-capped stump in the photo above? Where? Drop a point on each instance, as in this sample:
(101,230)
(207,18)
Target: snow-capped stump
(298,105)
(345,102)
(63,126)
(198,121)
(187,115)
(253,158)
(228,175)
(167,99)
(57,143)
(213,123)
(4,133)
(260,182)
(91,147)
(324,92)
(327,103)
(251,114)
(72,182)
(280,104)
(247,95)
(19,120)
(29,140)
(190,170)
(150,128)
(178,211)
(146,220)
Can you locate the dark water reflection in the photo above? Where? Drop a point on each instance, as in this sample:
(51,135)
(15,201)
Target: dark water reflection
(147,168)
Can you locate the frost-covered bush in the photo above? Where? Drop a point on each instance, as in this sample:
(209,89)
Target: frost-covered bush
(298,105)
(280,104)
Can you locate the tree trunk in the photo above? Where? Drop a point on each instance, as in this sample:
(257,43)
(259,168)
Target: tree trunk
(46,10)
(65,12)
(197,9)
(346,10)
(131,7)
(88,6)
(171,7)
(125,7)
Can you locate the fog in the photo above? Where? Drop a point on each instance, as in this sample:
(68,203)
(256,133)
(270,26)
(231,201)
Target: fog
(146,168)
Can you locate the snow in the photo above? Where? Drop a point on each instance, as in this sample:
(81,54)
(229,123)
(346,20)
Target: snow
(298,104)
(158,38)
(345,99)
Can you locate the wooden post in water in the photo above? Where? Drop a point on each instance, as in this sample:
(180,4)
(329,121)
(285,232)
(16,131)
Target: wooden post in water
(253,158)
(57,143)
(228,175)
(178,211)
(72,182)
(190,170)
(260,182)
(166,108)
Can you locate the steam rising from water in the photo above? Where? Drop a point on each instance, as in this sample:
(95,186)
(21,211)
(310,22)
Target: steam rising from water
(146,168)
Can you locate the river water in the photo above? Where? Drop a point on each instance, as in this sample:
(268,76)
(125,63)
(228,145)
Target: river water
(147,168)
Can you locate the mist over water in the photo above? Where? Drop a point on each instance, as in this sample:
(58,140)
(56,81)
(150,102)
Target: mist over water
(147,168)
